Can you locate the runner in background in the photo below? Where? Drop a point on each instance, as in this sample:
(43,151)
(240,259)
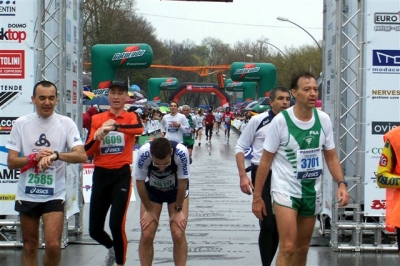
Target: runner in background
(218,117)
(174,124)
(188,134)
(227,118)
(209,121)
(199,124)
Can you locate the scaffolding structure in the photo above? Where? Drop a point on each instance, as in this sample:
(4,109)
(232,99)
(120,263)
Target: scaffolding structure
(349,123)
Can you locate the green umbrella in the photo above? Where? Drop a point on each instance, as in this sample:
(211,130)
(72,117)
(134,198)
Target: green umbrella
(259,108)
(262,106)
(164,109)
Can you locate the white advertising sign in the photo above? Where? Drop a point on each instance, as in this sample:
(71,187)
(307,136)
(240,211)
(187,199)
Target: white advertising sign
(328,87)
(17,77)
(87,183)
(382,91)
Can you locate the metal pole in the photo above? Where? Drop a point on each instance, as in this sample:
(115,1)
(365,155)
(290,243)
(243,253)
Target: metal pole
(285,19)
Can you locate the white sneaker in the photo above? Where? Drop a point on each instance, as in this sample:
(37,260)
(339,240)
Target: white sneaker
(110,258)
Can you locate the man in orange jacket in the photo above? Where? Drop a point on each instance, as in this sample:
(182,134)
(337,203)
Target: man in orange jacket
(111,139)
(388,176)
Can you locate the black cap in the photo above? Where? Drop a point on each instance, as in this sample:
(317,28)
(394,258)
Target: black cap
(119,83)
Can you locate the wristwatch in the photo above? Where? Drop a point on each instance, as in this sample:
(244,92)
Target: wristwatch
(57,155)
(116,127)
(178,208)
(342,181)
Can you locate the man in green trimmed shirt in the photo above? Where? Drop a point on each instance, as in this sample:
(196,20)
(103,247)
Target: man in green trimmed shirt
(188,139)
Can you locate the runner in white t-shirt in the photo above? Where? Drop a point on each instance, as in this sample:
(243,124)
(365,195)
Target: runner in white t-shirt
(40,145)
(174,124)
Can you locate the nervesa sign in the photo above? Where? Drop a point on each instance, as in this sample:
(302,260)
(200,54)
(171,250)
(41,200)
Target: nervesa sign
(382,127)
(387,18)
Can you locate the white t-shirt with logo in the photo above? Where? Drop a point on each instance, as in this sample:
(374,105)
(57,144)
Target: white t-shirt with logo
(32,133)
(171,132)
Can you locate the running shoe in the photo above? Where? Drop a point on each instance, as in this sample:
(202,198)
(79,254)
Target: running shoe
(110,258)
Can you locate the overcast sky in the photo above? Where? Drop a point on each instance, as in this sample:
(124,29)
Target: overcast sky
(232,22)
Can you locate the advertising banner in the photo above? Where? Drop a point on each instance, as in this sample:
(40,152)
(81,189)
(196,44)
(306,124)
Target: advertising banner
(73,94)
(87,182)
(329,89)
(382,91)
(17,77)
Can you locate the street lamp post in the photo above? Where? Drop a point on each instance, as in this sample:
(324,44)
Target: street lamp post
(287,20)
(265,40)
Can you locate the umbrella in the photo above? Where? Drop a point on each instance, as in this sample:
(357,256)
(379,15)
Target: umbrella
(89,94)
(137,95)
(134,88)
(99,100)
(164,109)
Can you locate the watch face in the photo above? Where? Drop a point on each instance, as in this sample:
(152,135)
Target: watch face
(178,208)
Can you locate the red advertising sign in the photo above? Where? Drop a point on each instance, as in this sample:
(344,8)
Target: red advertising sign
(12,64)
(74,91)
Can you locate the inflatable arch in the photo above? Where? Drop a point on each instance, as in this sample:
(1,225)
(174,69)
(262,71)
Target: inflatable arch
(199,88)
(106,58)
(248,88)
(155,85)
(263,73)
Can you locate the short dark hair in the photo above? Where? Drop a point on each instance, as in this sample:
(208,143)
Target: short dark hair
(295,79)
(160,148)
(44,83)
(272,94)
(174,103)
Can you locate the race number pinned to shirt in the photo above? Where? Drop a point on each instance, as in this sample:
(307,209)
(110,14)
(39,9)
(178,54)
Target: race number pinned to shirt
(171,127)
(113,143)
(42,183)
(166,183)
(309,163)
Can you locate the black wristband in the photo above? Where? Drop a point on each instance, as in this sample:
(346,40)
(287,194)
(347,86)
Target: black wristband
(57,155)
(342,181)
(116,127)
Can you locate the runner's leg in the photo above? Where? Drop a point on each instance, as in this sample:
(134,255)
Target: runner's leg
(286,219)
(146,248)
(53,226)
(305,227)
(179,236)
(268,239)
(30,238)
(119,206)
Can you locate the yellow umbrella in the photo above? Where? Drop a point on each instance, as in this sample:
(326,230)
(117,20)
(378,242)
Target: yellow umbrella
(89,94)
